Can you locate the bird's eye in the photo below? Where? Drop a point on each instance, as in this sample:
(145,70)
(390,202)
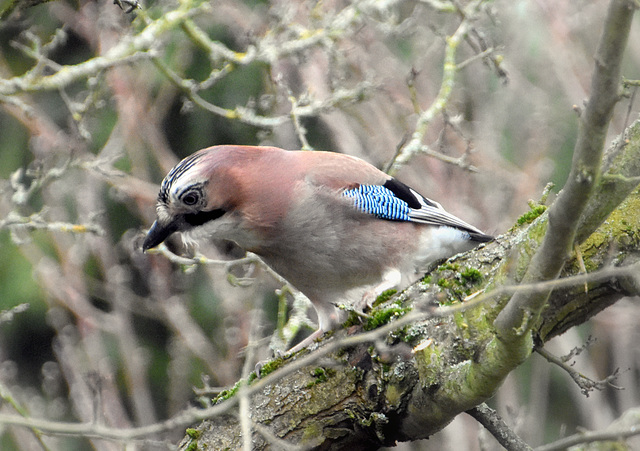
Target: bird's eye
(190,199)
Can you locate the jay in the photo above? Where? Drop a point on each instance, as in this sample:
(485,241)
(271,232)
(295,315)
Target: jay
(335,227)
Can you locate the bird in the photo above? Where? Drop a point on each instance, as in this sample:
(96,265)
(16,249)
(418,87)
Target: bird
(335,227)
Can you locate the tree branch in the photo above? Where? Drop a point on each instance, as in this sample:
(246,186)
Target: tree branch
(490,419)
(515,321)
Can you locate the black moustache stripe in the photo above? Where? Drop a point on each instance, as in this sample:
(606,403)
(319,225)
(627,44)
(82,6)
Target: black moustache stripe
(197,219)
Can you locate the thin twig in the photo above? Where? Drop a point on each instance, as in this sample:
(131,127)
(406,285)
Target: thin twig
(450,68)
(586,384)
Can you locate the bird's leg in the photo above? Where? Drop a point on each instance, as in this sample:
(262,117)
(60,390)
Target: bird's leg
(390,279)
(284,354)
(304,343)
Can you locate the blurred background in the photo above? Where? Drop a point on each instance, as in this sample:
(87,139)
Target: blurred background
(92,329)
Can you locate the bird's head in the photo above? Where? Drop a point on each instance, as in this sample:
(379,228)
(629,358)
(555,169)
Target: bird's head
(184,202)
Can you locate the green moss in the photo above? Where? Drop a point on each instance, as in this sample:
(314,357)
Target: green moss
(321,375)
(194,434)
(384,297)
(531,215)
(445,283)
(353,319)
(230,393)
(448,267)
(271,366)
(383,316)
(267,368)
(226,394)
(459,285)
(460,282)
(471,276)
(527,247)
(623,224)
(409,334)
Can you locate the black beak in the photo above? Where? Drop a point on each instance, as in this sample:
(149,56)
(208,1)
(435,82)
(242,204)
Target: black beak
(158,233)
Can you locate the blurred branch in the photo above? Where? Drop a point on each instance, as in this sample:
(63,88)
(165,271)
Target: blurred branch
(7,316)
(628,425)
(200,259)
(22,193)
(483,54)
(18,5)
(275,441)
(190,89)
(40,52)
(7,397)
(301,131)
(269,49)
(33,82)
(297,316)
(515,320)
(35,221)
(136,48)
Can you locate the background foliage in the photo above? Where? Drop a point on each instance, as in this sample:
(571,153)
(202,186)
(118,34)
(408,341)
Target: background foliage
(96,105)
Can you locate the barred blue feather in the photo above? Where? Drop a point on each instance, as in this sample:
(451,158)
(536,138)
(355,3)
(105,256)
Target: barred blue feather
(398,202)
(379,201)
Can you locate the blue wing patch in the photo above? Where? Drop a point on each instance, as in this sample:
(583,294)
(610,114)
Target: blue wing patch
(379,201)
(397,202)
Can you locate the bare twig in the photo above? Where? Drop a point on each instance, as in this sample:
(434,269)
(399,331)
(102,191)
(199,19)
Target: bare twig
(586,384)
(450,68)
